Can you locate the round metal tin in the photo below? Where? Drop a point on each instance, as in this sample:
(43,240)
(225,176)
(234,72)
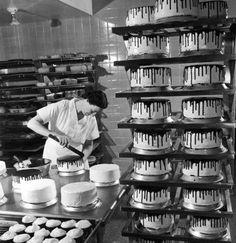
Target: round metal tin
(38,205)
(160,231)
(100,184)
(151,152)
(213,207)
(3,200)
(202,179)
(209,151)
(97,203)
(79,172)
(217,235)
(140,177)
(135,204)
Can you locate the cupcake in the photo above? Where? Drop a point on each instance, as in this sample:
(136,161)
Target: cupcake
(42,233)
(51,240)
(69,224)
(31,229)
(85,225)
(58,233)
(7,236)
(41,221)
(21,238)
(52,223)
(67,239)
(28,220)
(76,234)
(36,239)
(17,228)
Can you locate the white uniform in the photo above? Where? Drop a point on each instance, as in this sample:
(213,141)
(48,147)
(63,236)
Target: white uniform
(62,119)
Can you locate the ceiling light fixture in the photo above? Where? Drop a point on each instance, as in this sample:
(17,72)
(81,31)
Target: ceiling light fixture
(55,22)
(12,11)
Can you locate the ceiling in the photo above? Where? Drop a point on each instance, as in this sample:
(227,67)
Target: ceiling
(29,11)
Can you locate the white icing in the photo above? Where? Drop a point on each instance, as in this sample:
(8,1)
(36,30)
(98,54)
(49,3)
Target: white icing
(151,109)
(202,139)
(70,166)
(201,198)
(148,196)
(151,141)
(140,15)
(150,76)
(147,45)
(170,8)
(201,168)
(202,108)
(104,173)
(209,225)
(38,191)
(78,194)
(213,9)
(156,222)
(154,167)
(204,74)
(204,40)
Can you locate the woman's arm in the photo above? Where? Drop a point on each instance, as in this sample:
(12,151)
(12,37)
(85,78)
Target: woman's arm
(36,124)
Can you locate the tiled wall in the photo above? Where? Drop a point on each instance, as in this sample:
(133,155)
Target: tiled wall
(90,34)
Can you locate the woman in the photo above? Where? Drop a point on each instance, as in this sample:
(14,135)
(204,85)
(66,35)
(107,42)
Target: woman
(72,122)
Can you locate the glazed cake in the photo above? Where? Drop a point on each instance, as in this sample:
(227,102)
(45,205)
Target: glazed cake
(202,139)
(151,45)
(156,222)
(39,191)
(152,167)
(201,168)
(140,15)
(150,76)
(209,226)
(70,164)
(151,197)
(152,140)
(213,9)
(202,108)
(151,109)
(205,74)
(202,42)
(167,9)
(203,198)
(78,194)
(104,173)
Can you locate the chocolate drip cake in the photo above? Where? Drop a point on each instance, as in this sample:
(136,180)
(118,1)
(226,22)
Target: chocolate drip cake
(213,9)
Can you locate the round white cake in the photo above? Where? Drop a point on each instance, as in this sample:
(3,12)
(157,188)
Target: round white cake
(156,222)
(202,108)
(209,226)
(204,74)
(150,76)
(150,196)
(78,194)
(202,197)
(70,164)
(140,15)
(213,9)
(104,173)
(201,42)
(202,168)
(151,109)
(140,45)
(202,139)
(165,9)
(152,167)
(152,140)
(38,191)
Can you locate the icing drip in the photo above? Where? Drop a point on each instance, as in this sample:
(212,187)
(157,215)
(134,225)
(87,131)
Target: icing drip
(150,196)
(146,164)
(177,4)
(215,9)
(70,163)
(214,222)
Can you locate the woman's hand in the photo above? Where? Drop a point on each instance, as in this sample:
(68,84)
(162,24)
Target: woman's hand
(62,139)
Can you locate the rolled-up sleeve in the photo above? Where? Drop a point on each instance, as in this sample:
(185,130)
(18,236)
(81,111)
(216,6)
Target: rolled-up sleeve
(93,132)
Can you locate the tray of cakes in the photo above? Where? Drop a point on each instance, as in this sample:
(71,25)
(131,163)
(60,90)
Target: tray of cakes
(31,228)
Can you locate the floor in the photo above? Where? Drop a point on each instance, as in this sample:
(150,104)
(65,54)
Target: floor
(119,218)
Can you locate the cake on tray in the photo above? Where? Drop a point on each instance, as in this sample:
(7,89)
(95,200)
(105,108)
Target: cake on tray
(104,174)
(151,76)
(204,74)
(140,15)
(169,10)
(144,46)
(217,9)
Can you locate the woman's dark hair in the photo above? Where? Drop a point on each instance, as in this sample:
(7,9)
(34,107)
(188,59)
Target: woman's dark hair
(96,97)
